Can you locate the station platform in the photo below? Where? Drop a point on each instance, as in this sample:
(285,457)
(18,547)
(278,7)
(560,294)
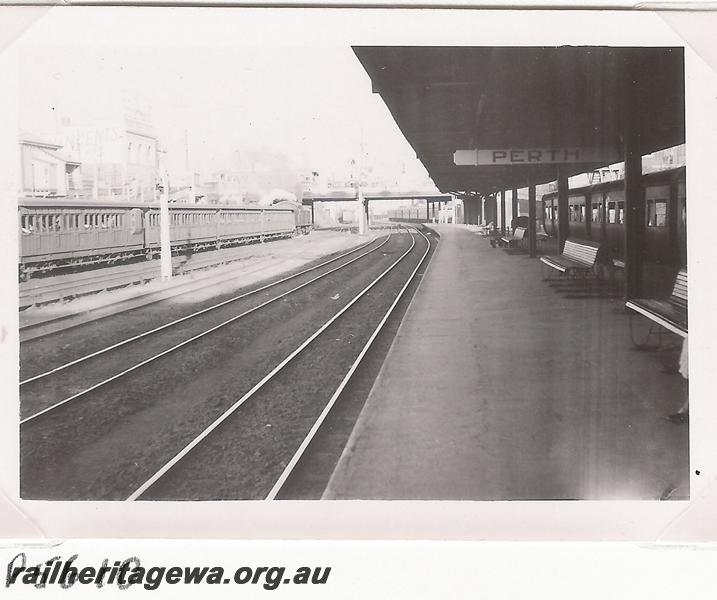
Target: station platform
(502,386)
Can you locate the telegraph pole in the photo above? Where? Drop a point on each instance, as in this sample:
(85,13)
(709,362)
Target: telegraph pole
(164,236)
(361,211)
(190,175)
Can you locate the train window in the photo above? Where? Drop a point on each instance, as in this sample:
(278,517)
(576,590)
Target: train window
(620,212)
(26,224)
(656,213)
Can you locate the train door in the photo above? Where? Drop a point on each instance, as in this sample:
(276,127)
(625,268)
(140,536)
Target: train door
(551,216)
(29,238)
(614,222)
(63,230)
(576,216)
(135,228)
(597,225)
(86,234)
(657,235)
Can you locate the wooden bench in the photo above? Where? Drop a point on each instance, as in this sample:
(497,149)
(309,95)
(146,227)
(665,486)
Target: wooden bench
(670,314)
(485,230)
(578,257)
(516,238)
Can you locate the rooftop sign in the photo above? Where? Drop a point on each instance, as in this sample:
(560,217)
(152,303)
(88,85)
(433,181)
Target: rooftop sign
(535,156)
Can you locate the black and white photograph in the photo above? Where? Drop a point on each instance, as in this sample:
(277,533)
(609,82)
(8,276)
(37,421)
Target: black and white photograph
(270,255)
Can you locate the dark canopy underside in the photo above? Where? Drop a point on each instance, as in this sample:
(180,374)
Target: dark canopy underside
(449,98)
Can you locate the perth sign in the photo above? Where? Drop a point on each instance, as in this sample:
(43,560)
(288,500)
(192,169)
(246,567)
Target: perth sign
(535,156)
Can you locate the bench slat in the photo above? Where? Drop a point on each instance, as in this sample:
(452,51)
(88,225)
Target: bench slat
(516,237)
(576,255)
(671,313)
(661,316)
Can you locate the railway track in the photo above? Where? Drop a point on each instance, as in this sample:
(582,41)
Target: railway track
(202,331)
(201,451)
(111,406)
(204,271)
(65,287)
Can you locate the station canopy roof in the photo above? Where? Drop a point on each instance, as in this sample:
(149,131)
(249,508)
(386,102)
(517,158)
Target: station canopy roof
(462,98)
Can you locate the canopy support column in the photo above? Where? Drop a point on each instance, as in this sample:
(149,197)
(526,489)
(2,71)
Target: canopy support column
(563,225)
(634,212)
(531,221)
(514,208)
(502,212)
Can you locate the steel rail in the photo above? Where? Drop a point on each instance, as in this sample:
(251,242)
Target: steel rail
(124,275)
(344,382)
(190,316)
(260,384)
(194,338)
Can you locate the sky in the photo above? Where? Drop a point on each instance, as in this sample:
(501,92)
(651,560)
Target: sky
(311,103)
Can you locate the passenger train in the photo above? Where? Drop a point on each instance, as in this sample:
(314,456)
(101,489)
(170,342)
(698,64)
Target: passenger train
(57,234)
(665,241)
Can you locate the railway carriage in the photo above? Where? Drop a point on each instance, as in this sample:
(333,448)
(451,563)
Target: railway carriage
(61,234)
(277,221)
(54,233)
(191,227)
(302,214)
(604,219)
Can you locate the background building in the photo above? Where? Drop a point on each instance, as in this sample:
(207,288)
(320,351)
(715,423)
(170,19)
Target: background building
(45,171)
(118,155)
